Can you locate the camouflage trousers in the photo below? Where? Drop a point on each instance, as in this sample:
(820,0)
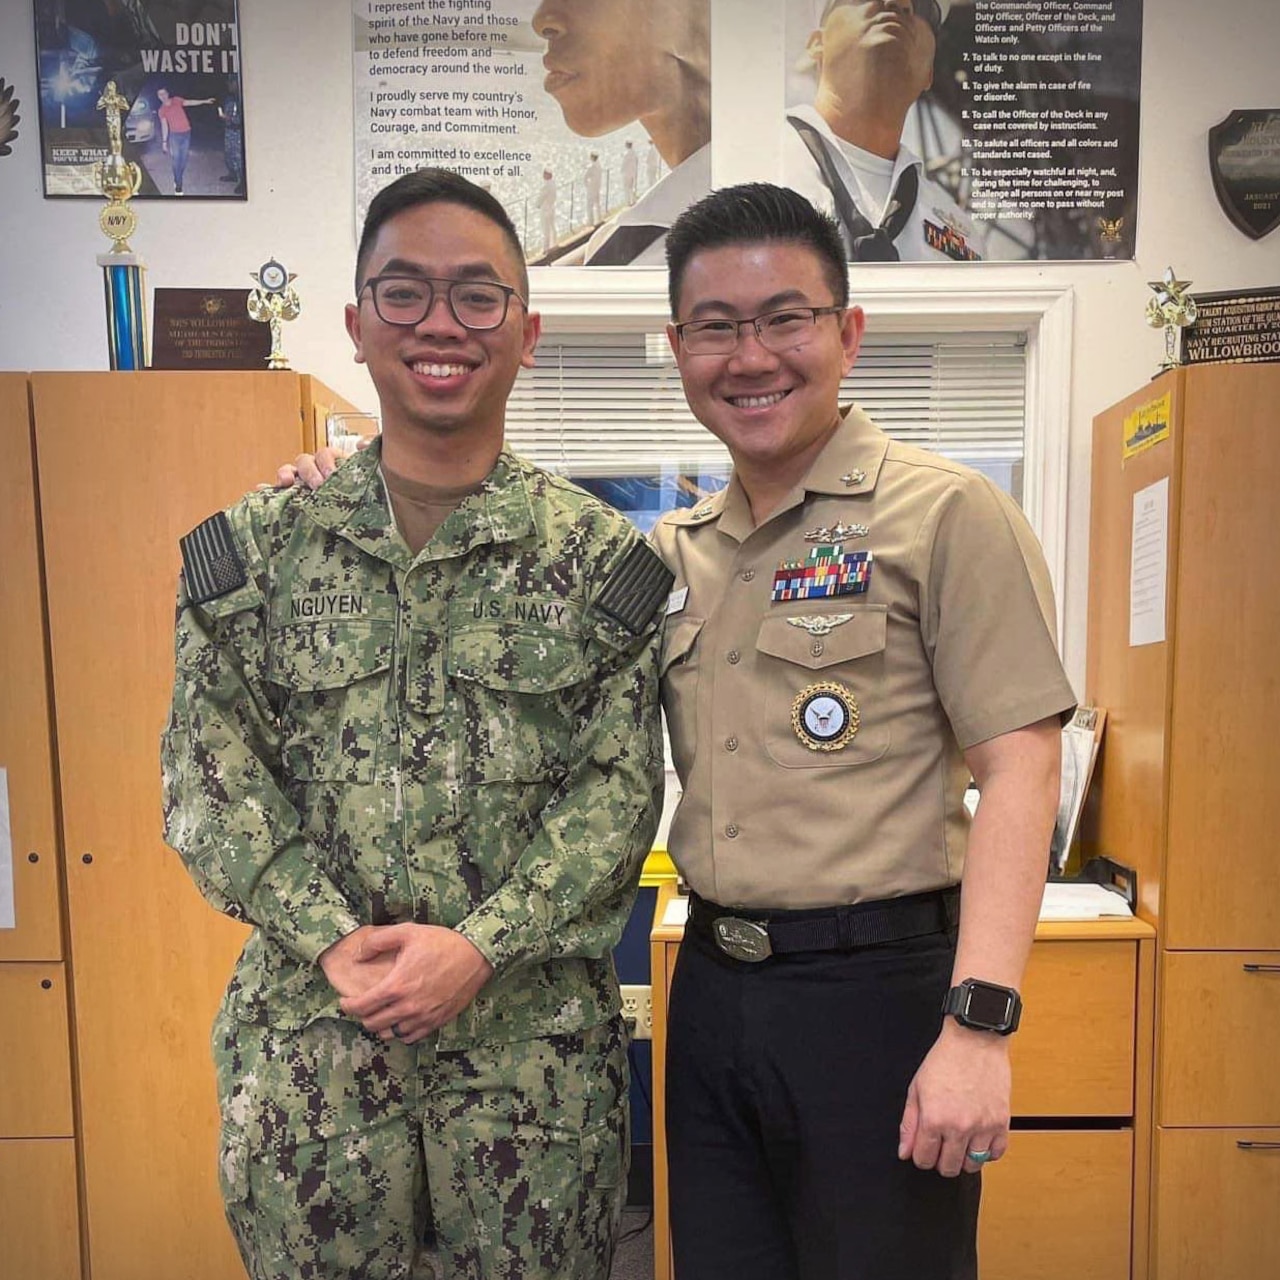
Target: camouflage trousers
(338,1150)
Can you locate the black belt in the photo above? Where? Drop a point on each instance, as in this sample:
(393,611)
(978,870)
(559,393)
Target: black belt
(757,935)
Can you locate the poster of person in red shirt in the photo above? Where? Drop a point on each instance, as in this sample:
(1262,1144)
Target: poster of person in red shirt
(176,63)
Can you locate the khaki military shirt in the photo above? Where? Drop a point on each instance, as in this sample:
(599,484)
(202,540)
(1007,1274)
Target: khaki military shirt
(467,737)
(818,737)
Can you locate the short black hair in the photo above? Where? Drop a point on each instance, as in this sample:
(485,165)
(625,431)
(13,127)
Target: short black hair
(752,212)
(435,186)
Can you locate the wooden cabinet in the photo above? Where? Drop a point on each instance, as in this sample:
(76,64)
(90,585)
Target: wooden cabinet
(1184,793)
(1216,1195)
(126,464)
(26,738)
(1070,1198)
(1058,1207)
(39,1231)
(39,1205)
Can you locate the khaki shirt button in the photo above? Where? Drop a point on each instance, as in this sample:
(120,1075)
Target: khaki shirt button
(816,648)
(748,574)
(734,657)
(731,744)
(731,831)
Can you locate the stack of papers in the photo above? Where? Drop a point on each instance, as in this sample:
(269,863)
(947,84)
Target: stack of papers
(677,911)
(1081,902)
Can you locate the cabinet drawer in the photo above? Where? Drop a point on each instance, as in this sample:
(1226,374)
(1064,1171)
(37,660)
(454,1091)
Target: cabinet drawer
(35,1051)
(1215,1205)
(1073,1053)
(1220,1039)
(1058,1205)
(39,1221)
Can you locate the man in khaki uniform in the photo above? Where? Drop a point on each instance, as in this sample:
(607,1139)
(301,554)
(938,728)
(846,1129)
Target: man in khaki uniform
(856,628)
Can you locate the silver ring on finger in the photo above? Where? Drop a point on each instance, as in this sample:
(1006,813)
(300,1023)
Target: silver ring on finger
(980,1157)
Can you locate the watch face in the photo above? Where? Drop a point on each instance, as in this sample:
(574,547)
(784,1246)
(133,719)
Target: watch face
(990,1006)
(273,276)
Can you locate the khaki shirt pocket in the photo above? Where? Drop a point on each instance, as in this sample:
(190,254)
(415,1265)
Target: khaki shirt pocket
(514,685)
(840,653)
(335,674)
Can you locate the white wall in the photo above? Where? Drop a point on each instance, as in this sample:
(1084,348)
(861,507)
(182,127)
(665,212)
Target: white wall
(1200,62)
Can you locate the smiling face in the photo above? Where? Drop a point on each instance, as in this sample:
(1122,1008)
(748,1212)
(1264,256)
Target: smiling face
(774,410)
(438,376)
(611,62)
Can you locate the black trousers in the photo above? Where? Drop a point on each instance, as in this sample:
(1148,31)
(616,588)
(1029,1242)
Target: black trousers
(785,1087)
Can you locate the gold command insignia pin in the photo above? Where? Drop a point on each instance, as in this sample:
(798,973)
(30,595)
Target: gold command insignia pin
(825,716)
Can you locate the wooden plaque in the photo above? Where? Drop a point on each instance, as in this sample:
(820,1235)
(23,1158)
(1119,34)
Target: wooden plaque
(207,329)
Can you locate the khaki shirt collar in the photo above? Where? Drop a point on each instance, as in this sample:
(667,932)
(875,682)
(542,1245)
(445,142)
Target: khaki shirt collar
(353,503)
(849,463)
(851,460)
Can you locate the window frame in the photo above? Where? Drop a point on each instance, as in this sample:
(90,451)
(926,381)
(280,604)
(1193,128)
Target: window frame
(624,300)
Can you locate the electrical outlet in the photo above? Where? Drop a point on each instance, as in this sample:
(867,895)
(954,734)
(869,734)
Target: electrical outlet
(637,1008)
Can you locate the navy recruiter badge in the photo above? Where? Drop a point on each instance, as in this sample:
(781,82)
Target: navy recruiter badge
(825,716)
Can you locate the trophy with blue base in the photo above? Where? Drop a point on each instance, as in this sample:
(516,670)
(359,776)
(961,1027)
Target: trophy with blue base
(119,179)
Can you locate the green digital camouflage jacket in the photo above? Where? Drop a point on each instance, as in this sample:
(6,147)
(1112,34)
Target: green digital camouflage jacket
(467,738)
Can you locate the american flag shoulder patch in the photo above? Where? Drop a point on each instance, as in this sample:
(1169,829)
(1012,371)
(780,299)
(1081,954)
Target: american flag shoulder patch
(211,562)
(828,571)
(636,588)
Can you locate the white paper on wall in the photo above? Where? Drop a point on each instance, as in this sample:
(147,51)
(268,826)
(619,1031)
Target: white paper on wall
(1149,564)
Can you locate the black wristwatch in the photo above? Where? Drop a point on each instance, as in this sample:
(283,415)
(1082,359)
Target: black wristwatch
(984,1006)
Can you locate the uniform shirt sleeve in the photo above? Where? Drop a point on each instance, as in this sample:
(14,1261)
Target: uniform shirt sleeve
(224,810)
(987,615)
(571,890)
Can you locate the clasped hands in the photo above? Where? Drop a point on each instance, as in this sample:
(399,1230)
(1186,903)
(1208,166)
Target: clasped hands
(403,981)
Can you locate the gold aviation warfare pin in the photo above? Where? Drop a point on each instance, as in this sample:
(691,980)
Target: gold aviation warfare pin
(825,716)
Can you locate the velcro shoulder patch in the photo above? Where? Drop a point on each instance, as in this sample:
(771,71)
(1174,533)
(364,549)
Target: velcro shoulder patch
(211,560)
(636,588)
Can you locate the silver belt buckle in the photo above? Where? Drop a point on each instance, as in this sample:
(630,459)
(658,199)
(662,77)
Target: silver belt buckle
(743,939)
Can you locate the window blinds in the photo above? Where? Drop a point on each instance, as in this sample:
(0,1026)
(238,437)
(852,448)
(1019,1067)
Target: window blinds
(611,404)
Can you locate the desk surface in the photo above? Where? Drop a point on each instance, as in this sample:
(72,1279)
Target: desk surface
(1114,929)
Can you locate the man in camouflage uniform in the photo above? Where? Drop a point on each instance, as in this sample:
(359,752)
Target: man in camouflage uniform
(414,742)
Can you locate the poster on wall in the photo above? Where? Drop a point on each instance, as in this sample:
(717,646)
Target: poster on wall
(967,130)
(177,65)
(590,122)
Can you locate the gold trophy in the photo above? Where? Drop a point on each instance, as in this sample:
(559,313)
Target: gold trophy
(272,302)
(1172,308)
(119,180)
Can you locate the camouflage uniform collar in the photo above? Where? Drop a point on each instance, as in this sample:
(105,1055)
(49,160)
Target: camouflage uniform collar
(850,461)
(353,503)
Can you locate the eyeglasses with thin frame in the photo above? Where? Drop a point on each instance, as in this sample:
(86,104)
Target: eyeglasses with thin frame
(775,330)
(407,300)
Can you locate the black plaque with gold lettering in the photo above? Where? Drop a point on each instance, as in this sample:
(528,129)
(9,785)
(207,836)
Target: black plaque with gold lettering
(1242,327)
(207,329)
(1244,159)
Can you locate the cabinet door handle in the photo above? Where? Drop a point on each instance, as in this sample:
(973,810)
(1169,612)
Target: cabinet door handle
(1262,968)
(1258,1146)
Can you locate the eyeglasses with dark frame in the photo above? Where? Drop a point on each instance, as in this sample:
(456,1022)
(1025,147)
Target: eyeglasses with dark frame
(775,330)
(474,304)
